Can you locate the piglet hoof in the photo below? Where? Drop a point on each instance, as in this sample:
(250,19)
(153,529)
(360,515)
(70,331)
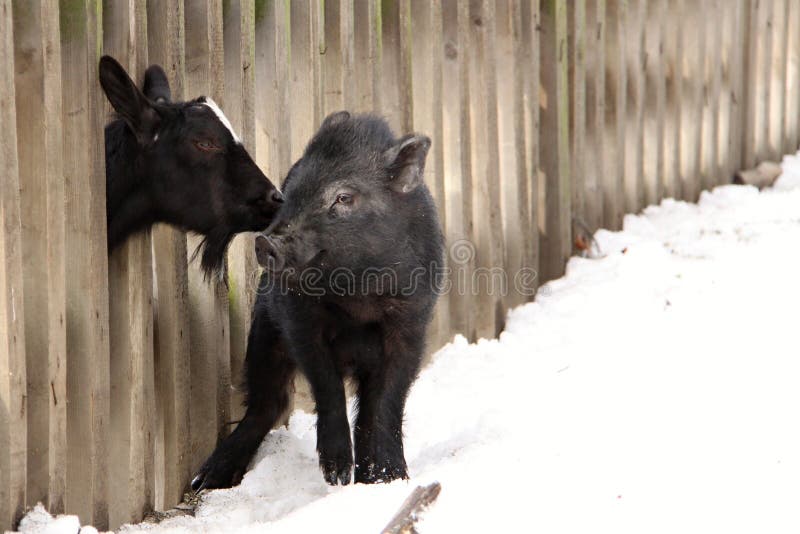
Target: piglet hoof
(220,471)
(373,473)
(337,471)
(337,464)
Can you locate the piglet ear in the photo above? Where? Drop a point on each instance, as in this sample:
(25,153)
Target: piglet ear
(128,101)
(405,162)
(335,118)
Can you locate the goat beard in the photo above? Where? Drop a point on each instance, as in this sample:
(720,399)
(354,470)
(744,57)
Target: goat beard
(212,251)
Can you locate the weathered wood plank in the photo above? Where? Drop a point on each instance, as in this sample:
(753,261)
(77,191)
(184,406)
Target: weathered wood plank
(531,277)
(426,49)
(655,102)
(367,42)
(86,263)
(462,251)
(490,312)
(595,113)
(763,80)
(208,299)
(13,405)
(131,315)
(396,82)
(339,56)
(577,118)
(37,62)
(165,21)
(777,129)
(511,130)
(714,18)
(239,43)
(616,101)
(750,90)
(792,116)
(674,79)
(693,116)
(307,36)
(557,244)
(635,65)
(453,54)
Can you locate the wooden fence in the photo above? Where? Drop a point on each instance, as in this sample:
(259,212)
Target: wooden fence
(550,119)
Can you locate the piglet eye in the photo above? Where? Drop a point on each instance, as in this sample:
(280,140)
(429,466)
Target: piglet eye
(344,198)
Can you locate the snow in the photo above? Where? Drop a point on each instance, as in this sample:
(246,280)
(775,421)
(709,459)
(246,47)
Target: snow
(654,389)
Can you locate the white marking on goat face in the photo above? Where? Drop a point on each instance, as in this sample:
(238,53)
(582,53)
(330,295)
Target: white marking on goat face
(222,118)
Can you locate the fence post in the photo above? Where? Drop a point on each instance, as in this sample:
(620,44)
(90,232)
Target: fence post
(13,409)
(557,245)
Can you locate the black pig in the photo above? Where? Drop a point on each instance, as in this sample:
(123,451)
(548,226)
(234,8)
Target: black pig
(348,291)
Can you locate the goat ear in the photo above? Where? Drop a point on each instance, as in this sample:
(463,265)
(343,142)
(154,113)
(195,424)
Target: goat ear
(127,100)
(156,85)
(335,118)
(405,162)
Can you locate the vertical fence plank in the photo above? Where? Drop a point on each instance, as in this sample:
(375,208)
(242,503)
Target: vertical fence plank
(780,18)
(453,56)
(692,122)
(764,80)
(13,409)
(486,179)
(714,22)
(737,91)
(511,120)
(131,315)
(726,105)
(165,22)
(37,62)
(467,266)
(426,21)
(208,299)
(339,56)
(577,116)
(272,87)
(86,263)
(306,71)
(674,79)
(367,42)
(792,116)
(634,64)
(532,99)
(595,113)
(616,100)
(239,42)
(655,101)
(557,244)
(750,85)
(396,83)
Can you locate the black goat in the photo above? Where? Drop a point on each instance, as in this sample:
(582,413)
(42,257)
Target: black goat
(180,163)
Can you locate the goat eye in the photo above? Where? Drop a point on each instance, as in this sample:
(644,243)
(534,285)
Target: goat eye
(205,145)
